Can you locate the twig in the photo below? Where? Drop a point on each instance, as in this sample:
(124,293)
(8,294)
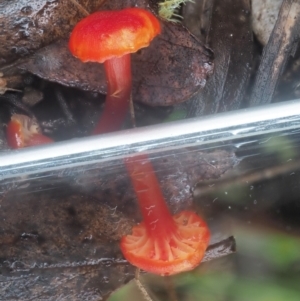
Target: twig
(220,249)
(170,289)
(281,44)
(132,114)
(140,286)
(205,188)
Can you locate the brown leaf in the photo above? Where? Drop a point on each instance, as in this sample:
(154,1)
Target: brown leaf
(173,68)
(27,25)
(169,71)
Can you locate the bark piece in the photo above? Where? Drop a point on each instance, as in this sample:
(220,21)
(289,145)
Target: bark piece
(230,37)
(220,249)
(282,43)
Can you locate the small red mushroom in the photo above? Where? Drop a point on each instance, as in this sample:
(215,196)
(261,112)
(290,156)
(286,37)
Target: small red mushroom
(110,37)
(161,244)
(23,131)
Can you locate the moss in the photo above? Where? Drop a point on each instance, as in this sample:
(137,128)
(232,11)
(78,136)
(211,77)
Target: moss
(168,9)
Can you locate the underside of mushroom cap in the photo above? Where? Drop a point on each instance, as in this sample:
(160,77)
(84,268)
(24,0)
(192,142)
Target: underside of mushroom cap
(170,254)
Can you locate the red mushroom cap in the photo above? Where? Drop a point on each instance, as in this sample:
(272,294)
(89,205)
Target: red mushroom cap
(23,131)
(107,34)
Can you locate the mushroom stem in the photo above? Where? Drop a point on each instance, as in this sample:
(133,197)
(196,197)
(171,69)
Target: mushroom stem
(109,37)
(156,215)
(161,244)
(118,76)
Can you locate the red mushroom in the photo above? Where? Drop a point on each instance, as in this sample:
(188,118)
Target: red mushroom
(110,37)
(23,131)
(161,244)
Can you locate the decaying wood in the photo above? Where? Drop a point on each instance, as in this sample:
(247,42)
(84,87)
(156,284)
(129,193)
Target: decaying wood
(27,25)
(230,37)
(282,43)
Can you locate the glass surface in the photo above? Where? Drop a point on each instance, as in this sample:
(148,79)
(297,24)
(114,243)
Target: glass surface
(60,228)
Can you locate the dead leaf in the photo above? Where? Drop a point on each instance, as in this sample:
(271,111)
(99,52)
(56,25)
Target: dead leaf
(27,25)
(169,71)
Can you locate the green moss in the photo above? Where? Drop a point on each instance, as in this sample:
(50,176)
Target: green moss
(168,9)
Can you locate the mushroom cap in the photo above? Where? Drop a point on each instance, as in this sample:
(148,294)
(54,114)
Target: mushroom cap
(23,131)
(107,34)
